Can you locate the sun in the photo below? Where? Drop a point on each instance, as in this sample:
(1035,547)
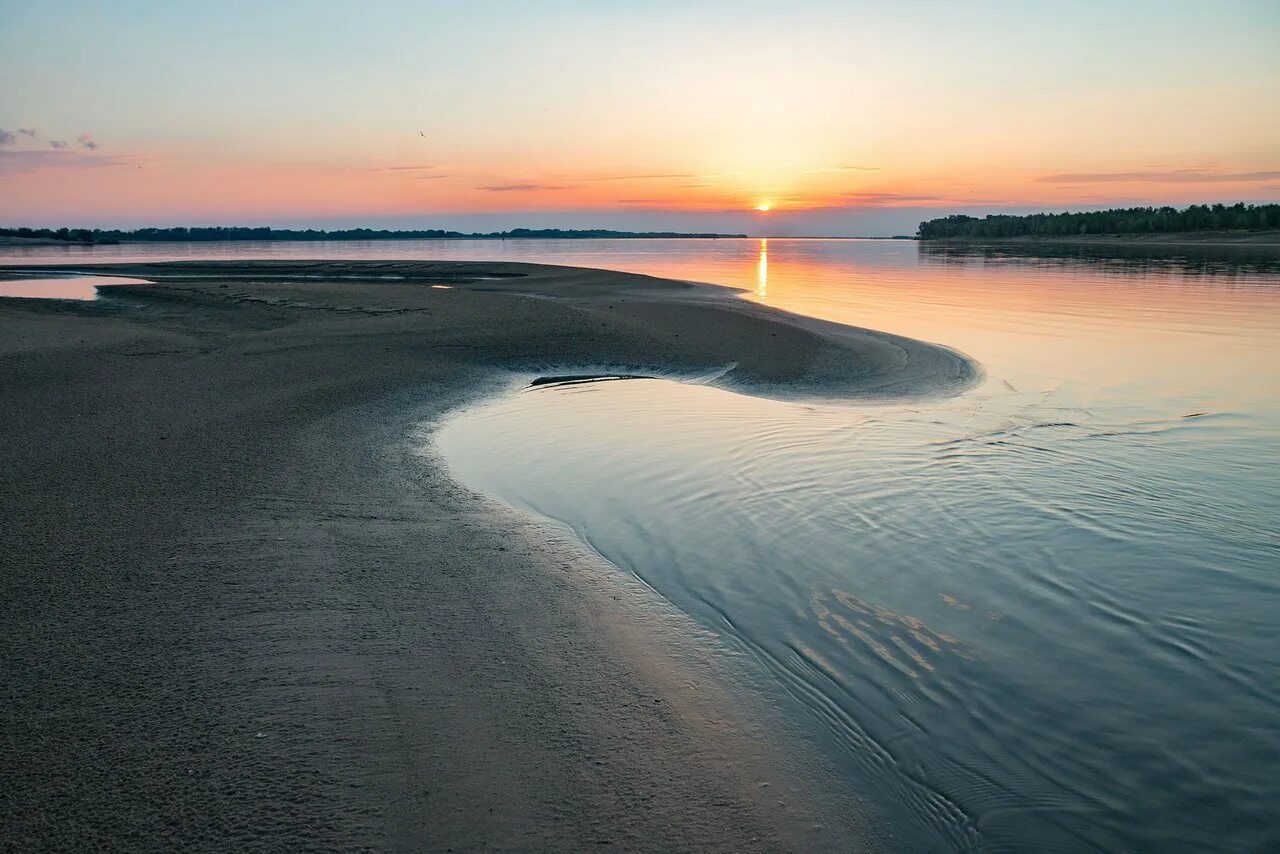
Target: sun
(764,207)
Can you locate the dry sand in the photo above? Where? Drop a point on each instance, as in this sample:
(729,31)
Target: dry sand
(241,611)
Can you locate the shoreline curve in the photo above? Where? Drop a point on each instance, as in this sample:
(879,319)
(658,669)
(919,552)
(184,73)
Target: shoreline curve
(241,609)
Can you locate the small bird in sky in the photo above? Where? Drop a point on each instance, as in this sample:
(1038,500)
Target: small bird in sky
(421,134)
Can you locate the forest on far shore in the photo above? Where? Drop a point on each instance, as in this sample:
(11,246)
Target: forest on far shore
(1237,217)
(223,232)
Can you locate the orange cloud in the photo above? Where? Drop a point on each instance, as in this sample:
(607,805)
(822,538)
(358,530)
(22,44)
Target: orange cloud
(1155,176)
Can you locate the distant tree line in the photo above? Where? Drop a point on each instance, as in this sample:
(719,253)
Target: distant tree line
(1116,221)
(71,235)
(212,233)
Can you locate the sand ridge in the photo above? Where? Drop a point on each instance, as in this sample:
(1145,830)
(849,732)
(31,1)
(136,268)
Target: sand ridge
(241,609)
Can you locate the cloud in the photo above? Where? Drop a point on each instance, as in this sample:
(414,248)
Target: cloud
(523,187)
(86,141)
(876,200)
(7,137)
(1158,176)
(890,198)
(398,169)
(437,176)
(58,145)
(15,162)
(642,177)
(835,169)
(31,132)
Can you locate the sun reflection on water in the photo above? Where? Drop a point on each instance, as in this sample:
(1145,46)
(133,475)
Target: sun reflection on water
(762,269)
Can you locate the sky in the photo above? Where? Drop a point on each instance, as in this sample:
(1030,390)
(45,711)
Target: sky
(809,117)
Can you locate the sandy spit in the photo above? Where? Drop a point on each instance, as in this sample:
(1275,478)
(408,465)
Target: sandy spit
(242,611)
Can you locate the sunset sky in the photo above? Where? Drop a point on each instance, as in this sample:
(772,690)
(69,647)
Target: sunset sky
(841,118)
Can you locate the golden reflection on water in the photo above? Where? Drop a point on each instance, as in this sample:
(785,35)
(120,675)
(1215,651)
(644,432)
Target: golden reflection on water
(887,634)
(762,269)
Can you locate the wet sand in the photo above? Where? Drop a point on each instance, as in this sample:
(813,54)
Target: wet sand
(241,610)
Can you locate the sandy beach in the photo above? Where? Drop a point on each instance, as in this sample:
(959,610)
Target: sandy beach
(243,610)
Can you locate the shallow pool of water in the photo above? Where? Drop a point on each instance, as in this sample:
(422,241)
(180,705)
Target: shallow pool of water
(69,286)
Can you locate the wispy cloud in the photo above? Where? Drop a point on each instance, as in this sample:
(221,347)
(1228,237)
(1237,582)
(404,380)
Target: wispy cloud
(829,170)
(86,141)
(523,187)
(1159,176)
(31,132)
(434,177)
(7,137)
(398,169)
(15,162)
(875,200)
(58,144)
(872,199)
(642,177)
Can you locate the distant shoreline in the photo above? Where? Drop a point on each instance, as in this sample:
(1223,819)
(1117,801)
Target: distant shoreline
(50,241)
(1177,238)
(43,241)
(218,234)
(1254,239)
(1204,224)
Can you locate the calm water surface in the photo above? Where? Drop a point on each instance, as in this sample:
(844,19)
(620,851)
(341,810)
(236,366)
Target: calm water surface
(1043,615)
(64,286)
(1040,616)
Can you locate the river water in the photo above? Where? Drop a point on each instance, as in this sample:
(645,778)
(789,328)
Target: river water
(1043,615)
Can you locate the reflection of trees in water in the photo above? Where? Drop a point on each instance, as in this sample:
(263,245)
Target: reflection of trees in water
(1210,261)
